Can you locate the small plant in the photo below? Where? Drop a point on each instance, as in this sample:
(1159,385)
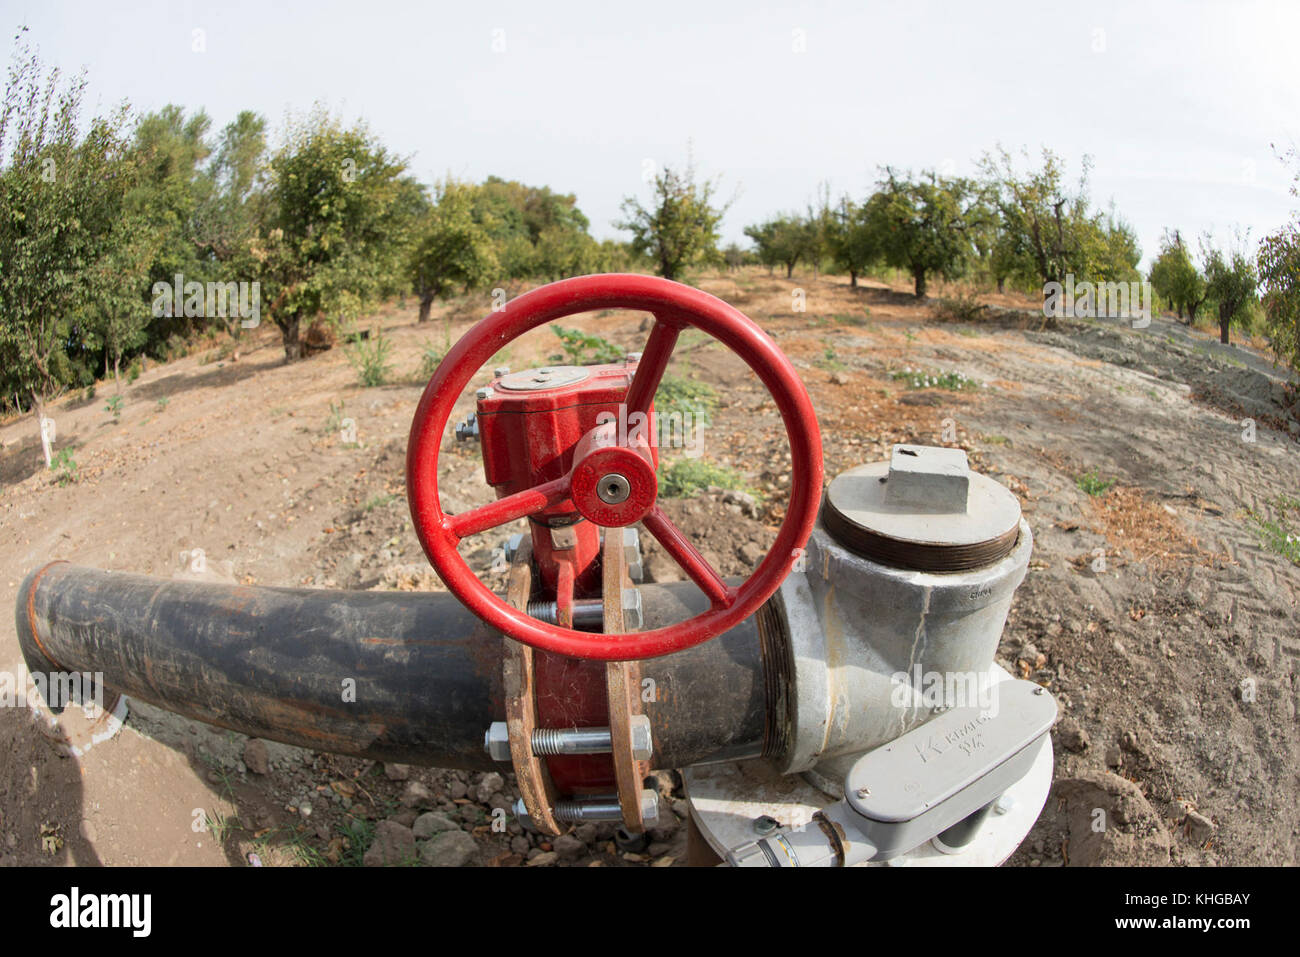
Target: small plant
(334,424)
(134,369)
(920,379)
(583,349)
(370,358)
(220,825)
(686,398)
(115,407)
(963,307)
(1093,483)
(686,477)
(64,466)
(1279,535)
(849,319)
(378,501)
(830,361)
(162,403)
(357,833)
(430,358)
(89,394)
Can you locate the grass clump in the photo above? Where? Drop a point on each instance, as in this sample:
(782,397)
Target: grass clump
(370,358)
(686,477)
(688,398)
(963,307)
(1277,533)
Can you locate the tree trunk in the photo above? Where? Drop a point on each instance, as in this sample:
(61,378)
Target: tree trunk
(1002,286)
(289,335)
(38,406)
(853,279)
(426,305)
(918,275)
(789,270)
(117,374)
(1225,317)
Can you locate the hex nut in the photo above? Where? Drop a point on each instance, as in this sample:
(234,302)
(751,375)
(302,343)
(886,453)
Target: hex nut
(497,741)
(649,807)
(632,609)
(642,740)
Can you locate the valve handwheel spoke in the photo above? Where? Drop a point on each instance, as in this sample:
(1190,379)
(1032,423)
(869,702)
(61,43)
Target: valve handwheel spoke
(686,555)
(504,510)
(654,360)
(674,307)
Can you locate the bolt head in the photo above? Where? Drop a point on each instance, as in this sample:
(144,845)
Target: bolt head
(766,824)
(484,393)
(500,371)
(1004,804)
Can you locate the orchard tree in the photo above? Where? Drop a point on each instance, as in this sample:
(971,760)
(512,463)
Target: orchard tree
(331,236)
(680,227)
(1231,283)
(923,225)
(451,250)
(1047,224)
(853,244)
(62,196)
(1279,273)
(780,241)
(1175,277)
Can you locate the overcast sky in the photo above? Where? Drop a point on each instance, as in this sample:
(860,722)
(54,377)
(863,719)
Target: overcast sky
(1177,102)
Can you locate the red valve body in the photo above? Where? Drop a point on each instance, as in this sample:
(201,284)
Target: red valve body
(528,437)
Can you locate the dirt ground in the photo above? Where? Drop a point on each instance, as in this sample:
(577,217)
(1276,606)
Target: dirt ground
(1153,610)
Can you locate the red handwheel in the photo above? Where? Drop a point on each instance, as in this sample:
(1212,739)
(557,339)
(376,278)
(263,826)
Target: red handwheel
(674,307)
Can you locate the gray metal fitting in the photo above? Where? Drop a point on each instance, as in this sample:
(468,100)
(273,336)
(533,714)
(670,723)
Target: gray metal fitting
(632,619)
(577,811)
(512,545)
(497,741)
(484,393)
(632,553)
(468,429)
(500,371)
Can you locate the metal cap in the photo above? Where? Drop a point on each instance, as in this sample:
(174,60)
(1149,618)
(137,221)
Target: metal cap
(547,377)
(924,509)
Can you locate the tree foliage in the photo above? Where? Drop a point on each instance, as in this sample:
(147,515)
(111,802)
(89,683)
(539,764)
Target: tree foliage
(451,249)
(679,228)
(1279,274)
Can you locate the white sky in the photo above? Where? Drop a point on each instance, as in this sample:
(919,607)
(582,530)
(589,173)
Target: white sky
(1177,102)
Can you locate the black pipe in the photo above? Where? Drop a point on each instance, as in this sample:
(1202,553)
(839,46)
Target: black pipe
(395,676)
